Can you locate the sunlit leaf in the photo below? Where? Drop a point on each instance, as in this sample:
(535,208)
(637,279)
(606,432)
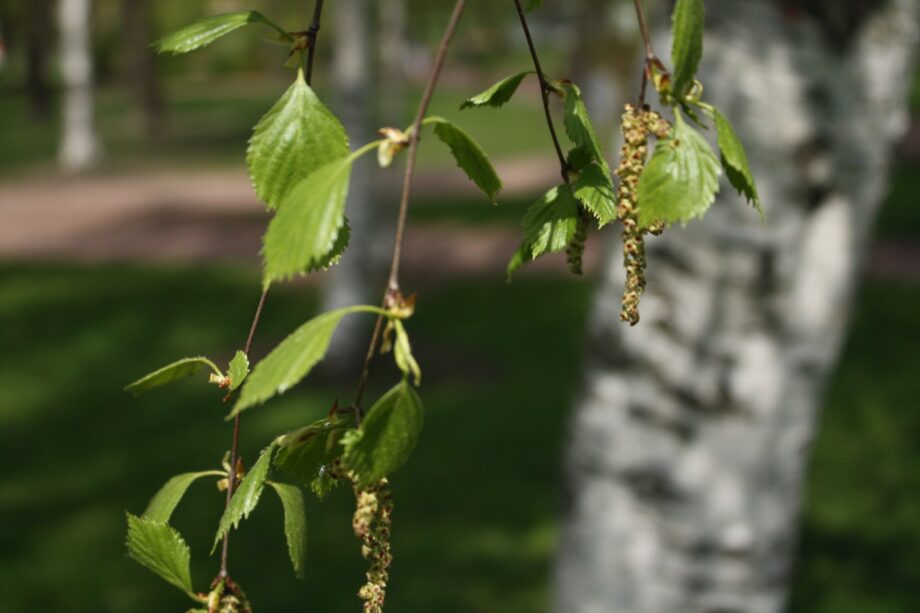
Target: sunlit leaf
(469,155)
(180,369)
(681,179)
(498,94)
(296,137)
(686,44)
(238,370)
(735,162)
(246,496)
(161,549)
(208,30)
(164,502)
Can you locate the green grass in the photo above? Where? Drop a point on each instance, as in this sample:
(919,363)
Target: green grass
(476,506)
(475,509)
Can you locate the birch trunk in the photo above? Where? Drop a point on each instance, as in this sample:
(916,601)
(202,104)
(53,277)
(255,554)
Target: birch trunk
(79,149)
(689,443)
(348,283)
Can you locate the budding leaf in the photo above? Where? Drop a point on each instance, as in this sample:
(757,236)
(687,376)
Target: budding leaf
(296,137)
(387,436)
(293,359)
(402,354)
(498,94)
(579,128)
(304,453)
(309,231)
(208,30)
(681,179)
(593,189)
(180,369)
(238,369)
(161,549)
(295,524)
(686,44)
(246,496)
(469,155)
(165,501)
(735,162)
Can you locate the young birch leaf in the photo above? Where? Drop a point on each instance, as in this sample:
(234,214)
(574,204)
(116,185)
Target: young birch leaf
(305,452)
(293,359)
(246,496)
(469,155)
(550,222)
(161,549)
(686,44)
(238,369)
(579,128)
(165,501)
(307,232)
(735,162)
(593,189)
(498,94)
(180,369)
(681,179)
(402,353)
(208,30)
(387,436)
(295,524)
(296,137)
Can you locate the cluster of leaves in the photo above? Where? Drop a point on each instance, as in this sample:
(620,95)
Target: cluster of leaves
(299,162)
(681,179)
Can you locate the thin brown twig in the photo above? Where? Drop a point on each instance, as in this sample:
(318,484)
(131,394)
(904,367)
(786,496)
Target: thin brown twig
(414,137)
(235,442)
(650,57)
(545,90)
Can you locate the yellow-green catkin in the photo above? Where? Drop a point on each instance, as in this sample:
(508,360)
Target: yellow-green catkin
(371,523)
(637,125)
(575,250)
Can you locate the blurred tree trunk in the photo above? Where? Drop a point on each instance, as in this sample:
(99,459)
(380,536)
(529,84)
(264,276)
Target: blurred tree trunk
(38,37)
(689,443)
(348,283)
(139,65)
(79,149)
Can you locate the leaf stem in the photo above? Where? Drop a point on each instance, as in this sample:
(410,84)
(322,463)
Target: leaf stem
(393,280)
(235,442)
(545,90)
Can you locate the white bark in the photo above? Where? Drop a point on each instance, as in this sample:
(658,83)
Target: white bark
(79,148)
(348,285)
(689,443)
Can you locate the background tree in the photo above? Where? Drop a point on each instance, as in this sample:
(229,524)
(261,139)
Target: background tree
(79,148)
(689,442)
(139,65)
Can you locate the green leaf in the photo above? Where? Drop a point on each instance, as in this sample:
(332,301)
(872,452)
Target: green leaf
(293,359)
(246,496)
(735,162)
(681,179)
(238,369)
(593,189)
(305,453)
(578,125)
(402,353)
(295,524)
(469,155)
(387,436)
(550,222)
(161,549)
(309,231)
(296,137)
(164,502)
(687,44)
(498,94)
(532,5)
(180,369)
(208,30)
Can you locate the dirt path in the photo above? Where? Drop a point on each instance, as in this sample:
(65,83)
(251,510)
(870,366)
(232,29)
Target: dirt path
(213,215)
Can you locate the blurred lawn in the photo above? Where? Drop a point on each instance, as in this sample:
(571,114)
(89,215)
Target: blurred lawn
(475,519)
